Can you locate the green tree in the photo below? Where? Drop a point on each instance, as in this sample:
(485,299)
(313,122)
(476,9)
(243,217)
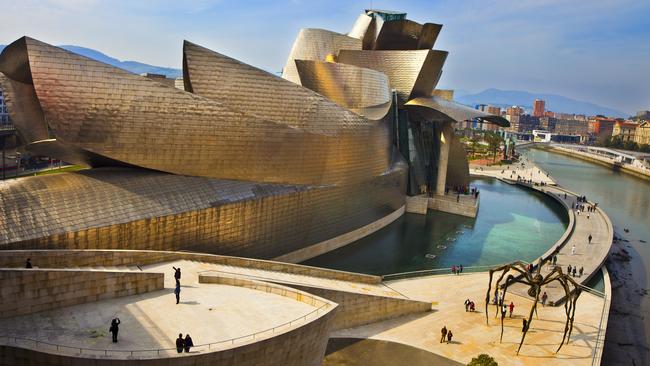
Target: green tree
(483,360)
(494,142)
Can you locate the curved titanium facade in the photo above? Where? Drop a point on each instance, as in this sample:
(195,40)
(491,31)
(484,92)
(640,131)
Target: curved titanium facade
(364,91)
(241,162)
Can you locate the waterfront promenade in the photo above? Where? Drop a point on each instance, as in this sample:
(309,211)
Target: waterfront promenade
(589,256)
(473,336)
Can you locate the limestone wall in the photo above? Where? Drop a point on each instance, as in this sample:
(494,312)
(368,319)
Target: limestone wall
(26,291)
(93,258)
(357,309)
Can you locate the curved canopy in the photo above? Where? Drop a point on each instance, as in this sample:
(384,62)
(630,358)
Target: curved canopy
(456,111)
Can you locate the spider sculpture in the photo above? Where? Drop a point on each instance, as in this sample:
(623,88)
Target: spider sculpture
(535,281)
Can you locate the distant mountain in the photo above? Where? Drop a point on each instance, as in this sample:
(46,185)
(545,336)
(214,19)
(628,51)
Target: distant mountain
(132,66)
(555,103)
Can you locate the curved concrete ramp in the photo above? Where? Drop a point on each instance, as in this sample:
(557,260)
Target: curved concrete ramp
(359,351)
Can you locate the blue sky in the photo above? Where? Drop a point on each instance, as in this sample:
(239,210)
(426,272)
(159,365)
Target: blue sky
(594,50)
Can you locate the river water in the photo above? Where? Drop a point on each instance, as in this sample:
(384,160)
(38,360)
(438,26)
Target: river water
(512,223)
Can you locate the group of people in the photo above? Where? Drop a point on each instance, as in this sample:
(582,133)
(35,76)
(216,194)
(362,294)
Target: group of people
(469,305)
(183,343)
(446,335)
(457,269)
(574,270)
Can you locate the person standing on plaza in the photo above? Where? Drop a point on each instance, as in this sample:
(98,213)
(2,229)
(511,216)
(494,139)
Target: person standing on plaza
(511,307)
(177,274)
(569,270)
(466,304)
(544,298)
(449,335)
(590,237)
(180,343)
(574,271)
(188,343)
(573,249)
(581,271)
(453,269)
(177,292)
(461,268)
(115,328)
(443,331)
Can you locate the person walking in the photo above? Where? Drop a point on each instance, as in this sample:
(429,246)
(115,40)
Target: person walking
(574,271)
(544,298)
(180,343)
(453,269)
(467,304)
(569,270)
(590,237)
(188,343)
(504,310)
(28,263)
(449,335)
(581,271)
(177,291)
(115,328)
(443,331)
(511,307)
(573,249)
(461,268)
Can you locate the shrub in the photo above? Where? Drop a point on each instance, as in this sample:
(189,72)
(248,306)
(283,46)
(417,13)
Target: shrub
(483,360)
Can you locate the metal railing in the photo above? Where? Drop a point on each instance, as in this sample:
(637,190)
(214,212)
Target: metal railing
(29,343)
(438,271)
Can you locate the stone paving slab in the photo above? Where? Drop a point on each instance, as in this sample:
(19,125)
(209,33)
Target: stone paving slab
(471,334)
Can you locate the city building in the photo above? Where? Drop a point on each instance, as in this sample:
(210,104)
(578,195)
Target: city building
(571,127)
(642,133)
(601,127)
(625,130)
(514,111)
(547,124)
(538,108)
(643,115)
(241,162)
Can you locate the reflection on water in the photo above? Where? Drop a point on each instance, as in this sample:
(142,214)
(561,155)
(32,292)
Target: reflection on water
(512,223)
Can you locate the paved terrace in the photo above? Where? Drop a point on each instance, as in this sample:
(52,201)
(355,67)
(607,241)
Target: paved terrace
(150,321)
(471,334)
(597,224)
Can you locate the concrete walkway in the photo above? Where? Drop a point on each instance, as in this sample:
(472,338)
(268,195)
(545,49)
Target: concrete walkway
(471,334)
(588,256)
(151,321)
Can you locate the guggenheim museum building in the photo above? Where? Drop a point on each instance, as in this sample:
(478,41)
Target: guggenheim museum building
(241,162)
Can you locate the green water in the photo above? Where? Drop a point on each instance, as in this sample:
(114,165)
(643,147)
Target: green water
(512,223)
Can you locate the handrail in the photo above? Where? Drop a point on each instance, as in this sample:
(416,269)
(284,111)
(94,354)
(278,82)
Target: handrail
(157,351)
(436,271)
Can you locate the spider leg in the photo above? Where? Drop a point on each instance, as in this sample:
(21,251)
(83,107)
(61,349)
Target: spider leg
(530,319)
(510,280)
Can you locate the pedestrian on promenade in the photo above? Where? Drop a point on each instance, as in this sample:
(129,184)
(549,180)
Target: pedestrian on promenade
(555,260)
(28,263)
(544,298)
(587,216)
(443,331)
(180,343)
(500,297)
(177,274)
(504,310)
(565,196)
(115,328)
(177,292)
(453,269)
(461,268)
(511,307)
(569,270)
(590,238)
(188,343)
(574,271)
(582,269)
(466,304)
(573,249)
(525,325)
(472,306)
(457,197)
(449,335)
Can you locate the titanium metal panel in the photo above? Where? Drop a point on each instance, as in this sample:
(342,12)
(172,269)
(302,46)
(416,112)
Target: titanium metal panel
(121,208)
(133,120)
(412,73)
(246,88)
(364,91)
(456,112)
(316,45)
(407,35)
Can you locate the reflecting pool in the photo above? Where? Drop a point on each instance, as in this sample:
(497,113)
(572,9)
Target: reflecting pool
(512,223)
